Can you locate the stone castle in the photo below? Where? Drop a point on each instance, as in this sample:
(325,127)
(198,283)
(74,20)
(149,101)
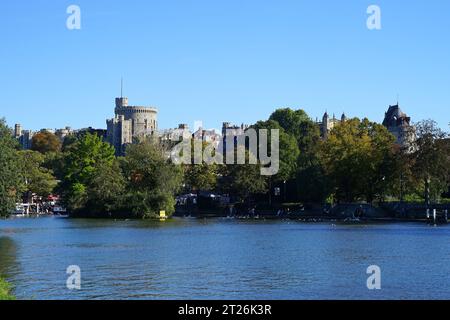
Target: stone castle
(328,124)
(133,122)
(395,120)
(130,122)
(399,124)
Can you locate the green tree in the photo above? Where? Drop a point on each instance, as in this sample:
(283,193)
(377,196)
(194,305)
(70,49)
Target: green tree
(358,158)
(106,189)
(152,180)
(310,178)
(291,121)
(288,147)
(431,159)
(200,176)
(45,142)
(312,183)
(55,162)
(36,177)
(384,167)
(81,165)
(298,124)
(244,180)
(10,182)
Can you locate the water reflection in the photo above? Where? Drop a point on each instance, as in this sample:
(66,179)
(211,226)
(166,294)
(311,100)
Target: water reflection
(8,256)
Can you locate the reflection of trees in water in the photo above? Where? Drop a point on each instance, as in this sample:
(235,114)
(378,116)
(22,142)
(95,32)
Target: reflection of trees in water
(8,256)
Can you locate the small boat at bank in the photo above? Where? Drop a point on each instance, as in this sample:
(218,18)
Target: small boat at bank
(59,210)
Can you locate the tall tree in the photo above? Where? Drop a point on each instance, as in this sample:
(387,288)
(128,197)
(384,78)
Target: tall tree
(311,182)
(431,158)
(290,120)
(10,182)
(244,180)
(81,164)
(106,189)
(36,177)
(288,148)
(200,176)
(152,179)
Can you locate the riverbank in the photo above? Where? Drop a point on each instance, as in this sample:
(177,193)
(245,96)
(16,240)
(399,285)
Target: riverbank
(353,212)
(384,212)
(5,290)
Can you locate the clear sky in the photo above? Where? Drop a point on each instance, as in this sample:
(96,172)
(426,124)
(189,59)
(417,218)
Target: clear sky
(222,60)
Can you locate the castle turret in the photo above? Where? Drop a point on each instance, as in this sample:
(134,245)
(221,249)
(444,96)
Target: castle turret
(17,130)
(398,123)
(121,102)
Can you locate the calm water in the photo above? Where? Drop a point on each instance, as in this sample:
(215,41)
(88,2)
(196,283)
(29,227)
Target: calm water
(223,259)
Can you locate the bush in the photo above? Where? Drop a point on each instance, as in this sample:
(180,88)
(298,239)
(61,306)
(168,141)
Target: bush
(5,290)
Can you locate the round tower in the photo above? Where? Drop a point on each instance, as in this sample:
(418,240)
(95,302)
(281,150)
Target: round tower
(144,119)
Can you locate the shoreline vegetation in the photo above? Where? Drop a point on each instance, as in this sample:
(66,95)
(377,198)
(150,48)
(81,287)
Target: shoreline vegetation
(359,163)
(5,290)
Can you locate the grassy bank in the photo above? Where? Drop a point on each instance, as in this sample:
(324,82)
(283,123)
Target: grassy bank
(5,290)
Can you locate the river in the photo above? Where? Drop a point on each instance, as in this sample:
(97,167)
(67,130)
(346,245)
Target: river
(223,259)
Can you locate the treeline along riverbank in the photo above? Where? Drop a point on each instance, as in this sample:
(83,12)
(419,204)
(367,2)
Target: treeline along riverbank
(358,161)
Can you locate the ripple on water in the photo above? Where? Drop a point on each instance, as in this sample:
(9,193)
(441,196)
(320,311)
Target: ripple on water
(223,259)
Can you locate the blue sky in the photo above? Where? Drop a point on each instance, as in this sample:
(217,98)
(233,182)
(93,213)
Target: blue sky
(220,61)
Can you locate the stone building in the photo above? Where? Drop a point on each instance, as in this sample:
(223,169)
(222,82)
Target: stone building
(130,122)
(17,131)
(143,119)
(23,136)
(233,130)
(328,124)
(399,124)
(63,133)
(118,133)
(209,136)
(177,134)
(25,139)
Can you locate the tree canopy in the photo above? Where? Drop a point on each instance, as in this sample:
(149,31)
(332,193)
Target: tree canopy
(82,163)
(36,178)
(152,180)
(45,142)
(431,162)
(358,157)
